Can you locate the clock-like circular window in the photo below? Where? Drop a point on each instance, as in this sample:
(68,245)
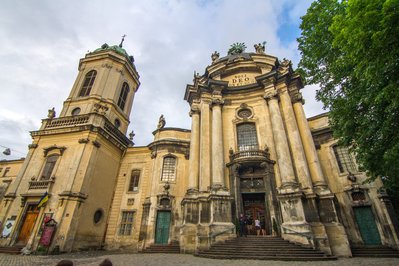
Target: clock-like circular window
(244,113)
(75,111)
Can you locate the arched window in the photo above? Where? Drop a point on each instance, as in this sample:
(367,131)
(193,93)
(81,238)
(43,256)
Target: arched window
(49,167)
(123,95)
(88,83)
(168,169)
(246,137)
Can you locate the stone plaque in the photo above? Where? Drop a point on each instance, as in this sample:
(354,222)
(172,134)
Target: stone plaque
(241,79)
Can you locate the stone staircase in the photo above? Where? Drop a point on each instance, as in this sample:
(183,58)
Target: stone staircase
(173,247)
(15,250)
(375,251)
(262,248)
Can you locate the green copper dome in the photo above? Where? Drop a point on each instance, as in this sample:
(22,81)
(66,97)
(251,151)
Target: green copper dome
(116,48)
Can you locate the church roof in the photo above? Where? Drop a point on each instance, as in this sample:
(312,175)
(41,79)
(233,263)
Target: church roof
(116,48)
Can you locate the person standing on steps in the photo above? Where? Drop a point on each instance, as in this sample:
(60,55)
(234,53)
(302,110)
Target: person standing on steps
(257,226)
(243,225)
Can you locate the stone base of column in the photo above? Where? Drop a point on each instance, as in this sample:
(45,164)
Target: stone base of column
(188,238)
(289,187)
(321,240)
(338,240)
(192,191)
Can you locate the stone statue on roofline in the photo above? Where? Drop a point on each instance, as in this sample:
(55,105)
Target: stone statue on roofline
(161,122)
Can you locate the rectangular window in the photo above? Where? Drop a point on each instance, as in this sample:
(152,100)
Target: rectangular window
(134,181)
(344,160)
(6,171)
(49,167)
(169,169)
(126,225)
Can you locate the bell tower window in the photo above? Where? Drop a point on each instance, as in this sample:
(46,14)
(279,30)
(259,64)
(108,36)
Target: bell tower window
(246,137)
(88,83)
(123,95)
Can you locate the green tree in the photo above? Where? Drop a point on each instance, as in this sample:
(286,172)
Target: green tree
(351,49)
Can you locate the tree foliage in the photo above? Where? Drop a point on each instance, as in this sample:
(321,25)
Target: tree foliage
(351,49)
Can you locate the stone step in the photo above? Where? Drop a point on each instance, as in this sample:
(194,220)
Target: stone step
(263,248)
(260,257)
(375,251)
(15,250)
(173,247)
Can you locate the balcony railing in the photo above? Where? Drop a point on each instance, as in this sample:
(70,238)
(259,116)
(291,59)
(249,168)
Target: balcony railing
(249,154)
(68,121)
(40,184)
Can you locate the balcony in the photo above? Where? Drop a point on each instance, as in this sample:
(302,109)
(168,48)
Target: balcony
(251,154)
(44,184)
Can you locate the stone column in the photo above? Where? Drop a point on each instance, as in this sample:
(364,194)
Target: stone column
(217,145)
(280,139)
(310,150)
(295,141)
(194,149)
(205,145)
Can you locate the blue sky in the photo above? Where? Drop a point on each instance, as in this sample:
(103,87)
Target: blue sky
(42,42)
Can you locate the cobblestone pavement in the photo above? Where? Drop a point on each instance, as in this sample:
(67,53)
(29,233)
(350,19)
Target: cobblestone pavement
(94,259)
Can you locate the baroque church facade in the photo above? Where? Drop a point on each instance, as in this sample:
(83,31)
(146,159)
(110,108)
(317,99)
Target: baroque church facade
(251,150)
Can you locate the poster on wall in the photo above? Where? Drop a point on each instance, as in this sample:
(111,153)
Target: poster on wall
(7,228)
(46,218)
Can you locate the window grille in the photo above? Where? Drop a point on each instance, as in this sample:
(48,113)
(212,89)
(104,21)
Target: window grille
(126,225)
(123,95)
(88,83)
(169,169)
(344,159)
(134,181)
(246,135)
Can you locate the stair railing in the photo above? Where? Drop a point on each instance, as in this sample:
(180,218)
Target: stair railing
(309,237)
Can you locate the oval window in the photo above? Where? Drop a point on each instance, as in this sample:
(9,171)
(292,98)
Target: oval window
(117,123)
(97,216)
(76,111)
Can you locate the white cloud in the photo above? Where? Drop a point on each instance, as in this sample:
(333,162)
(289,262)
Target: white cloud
(43,41)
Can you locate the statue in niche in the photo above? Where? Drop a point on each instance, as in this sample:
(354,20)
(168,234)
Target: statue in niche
(51,113)
(161,122)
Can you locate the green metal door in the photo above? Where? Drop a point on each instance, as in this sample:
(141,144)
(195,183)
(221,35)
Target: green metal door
(162,231)
(367,226)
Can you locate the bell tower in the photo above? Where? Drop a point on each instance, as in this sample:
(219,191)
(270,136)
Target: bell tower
(106,83)
(74,158)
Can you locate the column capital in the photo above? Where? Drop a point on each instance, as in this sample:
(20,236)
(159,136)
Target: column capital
(270,94)
(217,101)
(297,97)
(195,109)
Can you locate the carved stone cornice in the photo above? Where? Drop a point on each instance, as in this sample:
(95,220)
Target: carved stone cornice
(60,149)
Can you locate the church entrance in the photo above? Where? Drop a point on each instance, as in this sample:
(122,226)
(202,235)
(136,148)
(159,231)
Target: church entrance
(162,229)
(367,226)
(29,222)
(254,208)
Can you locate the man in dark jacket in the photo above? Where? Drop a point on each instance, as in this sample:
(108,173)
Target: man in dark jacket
(243,225)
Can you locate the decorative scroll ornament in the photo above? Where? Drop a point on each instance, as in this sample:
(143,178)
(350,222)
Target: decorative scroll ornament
(284,66)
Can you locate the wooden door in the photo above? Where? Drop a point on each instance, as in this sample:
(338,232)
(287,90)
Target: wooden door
(367,226)
(29,222)
(162,231)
